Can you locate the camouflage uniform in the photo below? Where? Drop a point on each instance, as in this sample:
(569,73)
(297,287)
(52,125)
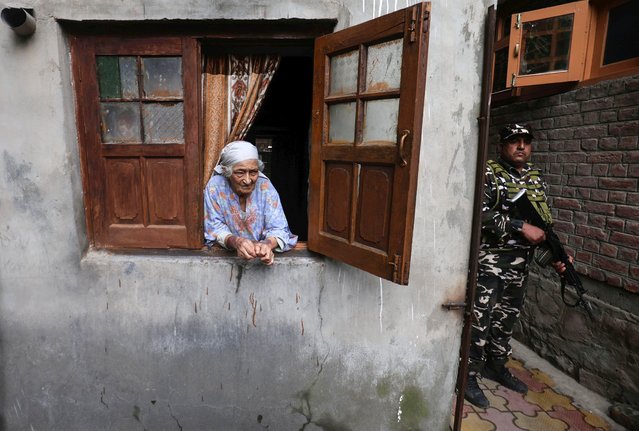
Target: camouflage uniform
(504,257)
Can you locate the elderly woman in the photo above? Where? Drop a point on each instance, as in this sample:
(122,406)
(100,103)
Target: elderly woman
(242,210)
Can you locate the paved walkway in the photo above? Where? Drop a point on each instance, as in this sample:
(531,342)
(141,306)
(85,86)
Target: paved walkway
(554,402)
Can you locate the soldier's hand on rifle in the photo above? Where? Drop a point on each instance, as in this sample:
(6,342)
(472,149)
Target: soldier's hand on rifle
(559,266)
(533,234)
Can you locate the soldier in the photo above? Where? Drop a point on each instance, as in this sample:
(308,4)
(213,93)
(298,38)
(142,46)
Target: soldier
(506,249)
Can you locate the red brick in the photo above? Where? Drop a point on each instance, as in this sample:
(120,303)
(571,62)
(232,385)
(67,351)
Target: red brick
(597,220)
(599,195)
(591,132)
(591,117)
(631,113)
(583,256)
(566,203)
(628,143)
(596,274)
(631,241)
(582,181)
(617,197)
(612,265)
(627,212)
(584,169)
(631,157)
(591,245)
(631,286)
(632,198)
(605,157)
(609,250)
(627,254)
(614,280)
(600,169)
(619,170)
(600,208)
(634,271)
(608,116)
(627,184)
(615,224)
(576,241)
(580,217)
(632,227)
(630,128)
(591,233)
(627,99)
(565,227)
(633,170)
(589,144)
(609,143)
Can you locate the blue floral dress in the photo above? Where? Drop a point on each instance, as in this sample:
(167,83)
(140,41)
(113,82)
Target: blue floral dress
(263,218)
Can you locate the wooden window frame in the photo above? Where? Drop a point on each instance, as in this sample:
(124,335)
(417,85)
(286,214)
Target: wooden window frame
(397,164)
(96,156)
(578,45)
(599,23)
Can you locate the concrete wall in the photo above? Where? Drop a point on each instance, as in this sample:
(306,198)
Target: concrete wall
(96,340)
(587,145)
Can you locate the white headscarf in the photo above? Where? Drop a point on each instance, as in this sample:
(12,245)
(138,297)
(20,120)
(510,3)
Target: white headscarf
(236,152)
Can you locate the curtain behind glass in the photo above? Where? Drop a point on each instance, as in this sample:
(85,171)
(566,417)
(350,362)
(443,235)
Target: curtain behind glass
(234,89)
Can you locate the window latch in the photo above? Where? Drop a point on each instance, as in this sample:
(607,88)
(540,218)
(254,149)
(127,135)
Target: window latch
(402,141)
(516,50)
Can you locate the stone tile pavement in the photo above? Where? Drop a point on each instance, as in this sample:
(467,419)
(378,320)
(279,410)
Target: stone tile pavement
(554,402)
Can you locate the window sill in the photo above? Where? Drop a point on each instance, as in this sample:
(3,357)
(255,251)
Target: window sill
(215,253)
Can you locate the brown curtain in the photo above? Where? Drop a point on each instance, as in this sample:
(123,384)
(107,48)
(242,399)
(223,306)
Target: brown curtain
(234,91)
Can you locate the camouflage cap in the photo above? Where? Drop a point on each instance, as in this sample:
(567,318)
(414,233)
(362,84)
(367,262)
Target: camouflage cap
(510,130)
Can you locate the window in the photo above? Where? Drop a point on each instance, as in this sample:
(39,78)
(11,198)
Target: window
(568,43)
(140,123)
(616,38)
(138,104)
(367,110)
(548,45)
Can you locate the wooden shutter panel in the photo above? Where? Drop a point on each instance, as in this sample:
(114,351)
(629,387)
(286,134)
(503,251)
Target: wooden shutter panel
(141,183)
(368,99)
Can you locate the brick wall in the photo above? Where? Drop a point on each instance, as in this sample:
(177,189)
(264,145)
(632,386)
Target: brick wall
(587,146)
(586,143)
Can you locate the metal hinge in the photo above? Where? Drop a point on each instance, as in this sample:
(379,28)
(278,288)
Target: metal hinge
(518,21)
(396,263)
(413,23)
(426,18)
(513,81)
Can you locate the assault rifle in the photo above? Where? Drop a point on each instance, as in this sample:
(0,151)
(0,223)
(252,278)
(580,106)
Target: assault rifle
(555,249)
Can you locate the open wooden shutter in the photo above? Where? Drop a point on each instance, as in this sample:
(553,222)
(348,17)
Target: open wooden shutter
(368,102)
(138,123)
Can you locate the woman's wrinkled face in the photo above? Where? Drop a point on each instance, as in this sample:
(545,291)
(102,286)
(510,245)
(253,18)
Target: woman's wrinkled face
(243,177)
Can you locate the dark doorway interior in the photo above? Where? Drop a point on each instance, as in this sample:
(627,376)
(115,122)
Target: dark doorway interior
(281,132)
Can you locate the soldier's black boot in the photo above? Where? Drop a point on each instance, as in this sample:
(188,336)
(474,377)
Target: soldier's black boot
(473,394)
(499,373)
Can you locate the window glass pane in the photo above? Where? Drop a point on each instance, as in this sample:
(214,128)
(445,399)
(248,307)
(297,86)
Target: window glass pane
(108,77)
(129,77)
(341,129)
(622,36)
(163,123)
(384,66)
(344,73)
(162,77)
(120,122)
(546,45)
(380,121)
